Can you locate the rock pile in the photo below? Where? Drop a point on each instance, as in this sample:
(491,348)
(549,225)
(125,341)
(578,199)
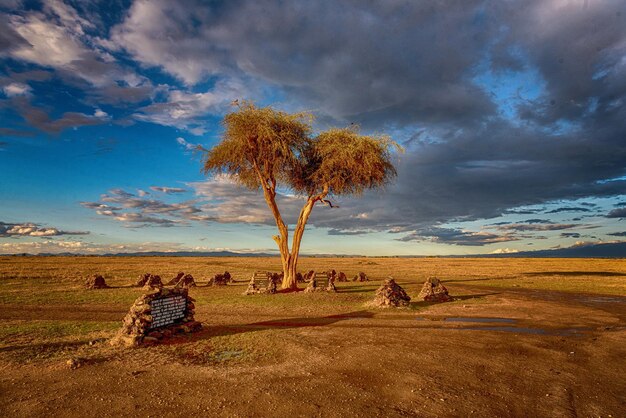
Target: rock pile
(361,277)
(95,282)
(277,278)
(153,281)
(434,291)
(341,277)
(176,279)
(219,280)
(390,294)
(137,326)
(309,275)
(141,281)
(186,282)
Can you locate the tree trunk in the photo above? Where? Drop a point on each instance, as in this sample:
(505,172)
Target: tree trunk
(289,278)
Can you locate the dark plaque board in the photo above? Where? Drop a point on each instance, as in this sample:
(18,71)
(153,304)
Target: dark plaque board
(168,310)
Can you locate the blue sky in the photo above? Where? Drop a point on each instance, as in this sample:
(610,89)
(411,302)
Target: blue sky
(514,133)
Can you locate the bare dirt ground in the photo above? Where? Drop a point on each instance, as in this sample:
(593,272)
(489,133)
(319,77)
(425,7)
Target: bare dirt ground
(527,338)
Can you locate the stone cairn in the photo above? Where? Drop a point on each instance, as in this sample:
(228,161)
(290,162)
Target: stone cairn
(96,282)
(390,294)
(186,282)
(277,278)
(434,291)
(361,277)
(148,280)
(176,279)
(309,275)
(153,281)
(220,279)
(314,285)
(341,277)
(137,324)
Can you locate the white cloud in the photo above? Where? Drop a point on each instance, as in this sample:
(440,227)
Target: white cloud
(186,110)
(32,230)
(99,113)
(17,89)
(187,145)
(505,251)
(168,190)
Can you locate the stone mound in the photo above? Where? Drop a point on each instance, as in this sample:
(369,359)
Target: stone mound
(434,291)
(186,282)
(361,277)
(138,327)
(95,282)
(390,294)
(153,281)
(220,279)
(176,279)
(141,281)
(309,275)
(341,277)
(277,278)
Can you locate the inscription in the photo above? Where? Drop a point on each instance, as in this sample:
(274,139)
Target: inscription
(168,310)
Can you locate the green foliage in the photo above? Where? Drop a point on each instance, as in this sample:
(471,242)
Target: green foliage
(263,144)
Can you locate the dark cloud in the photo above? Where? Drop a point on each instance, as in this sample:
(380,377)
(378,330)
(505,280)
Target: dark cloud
(569,209)
(618,234)
(28,229)
(570,235)
(617,213)
(457,237)
(38,118)
(539,227)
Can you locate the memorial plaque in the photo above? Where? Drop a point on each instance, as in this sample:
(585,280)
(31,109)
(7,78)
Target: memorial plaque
(168,310)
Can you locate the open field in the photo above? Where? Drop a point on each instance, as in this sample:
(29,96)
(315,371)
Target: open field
(525,337)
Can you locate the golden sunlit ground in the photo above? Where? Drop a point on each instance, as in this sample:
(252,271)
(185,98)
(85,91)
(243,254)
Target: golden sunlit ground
(525,337)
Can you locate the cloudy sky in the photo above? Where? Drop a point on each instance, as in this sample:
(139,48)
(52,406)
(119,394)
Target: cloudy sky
(512,115)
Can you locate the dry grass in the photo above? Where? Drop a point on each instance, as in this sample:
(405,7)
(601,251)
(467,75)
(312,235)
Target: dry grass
(74,316)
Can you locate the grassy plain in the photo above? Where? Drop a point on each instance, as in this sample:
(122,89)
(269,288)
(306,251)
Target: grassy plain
(552,344)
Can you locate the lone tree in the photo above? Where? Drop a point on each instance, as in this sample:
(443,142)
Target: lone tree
(263,147)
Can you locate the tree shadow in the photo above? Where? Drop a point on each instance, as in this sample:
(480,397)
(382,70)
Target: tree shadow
(357,289)
(287,323)
(478,280)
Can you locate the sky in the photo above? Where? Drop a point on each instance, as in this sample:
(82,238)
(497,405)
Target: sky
(512,116)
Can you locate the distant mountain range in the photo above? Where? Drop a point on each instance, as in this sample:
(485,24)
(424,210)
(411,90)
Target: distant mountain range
(600,250)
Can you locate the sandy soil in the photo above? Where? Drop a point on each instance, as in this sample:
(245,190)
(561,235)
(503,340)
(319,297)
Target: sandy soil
(546,354)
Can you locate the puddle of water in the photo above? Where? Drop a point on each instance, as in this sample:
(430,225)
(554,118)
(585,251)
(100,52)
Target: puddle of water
(480,319)
(537,331)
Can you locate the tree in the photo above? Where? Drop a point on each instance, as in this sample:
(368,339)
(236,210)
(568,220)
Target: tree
(266,148)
